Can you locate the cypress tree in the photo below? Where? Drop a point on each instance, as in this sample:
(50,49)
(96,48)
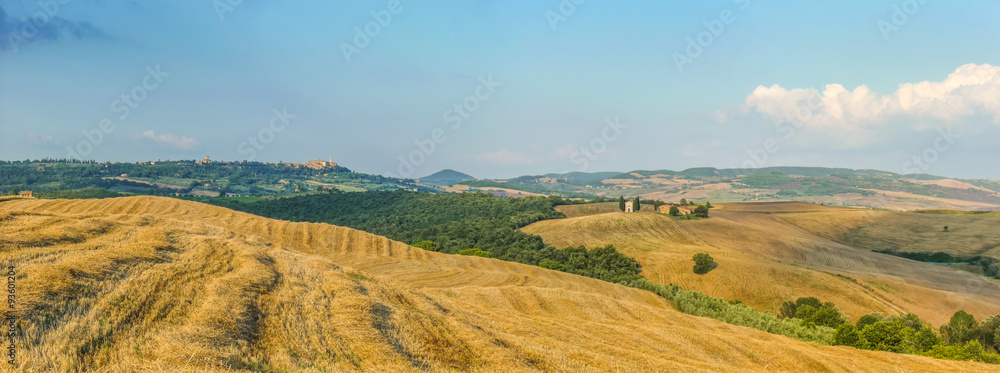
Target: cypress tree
(621,203)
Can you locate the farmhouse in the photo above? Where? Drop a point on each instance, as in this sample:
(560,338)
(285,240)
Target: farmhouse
(25,193)
(682,210)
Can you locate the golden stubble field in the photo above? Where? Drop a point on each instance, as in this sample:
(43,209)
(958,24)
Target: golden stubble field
(158,284)
(766,257)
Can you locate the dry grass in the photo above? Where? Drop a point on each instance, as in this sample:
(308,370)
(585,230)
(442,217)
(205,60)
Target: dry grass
(157,284)
(895,200)
(764,260)
(694,193)
(949,183)
(572,211)
(968,234)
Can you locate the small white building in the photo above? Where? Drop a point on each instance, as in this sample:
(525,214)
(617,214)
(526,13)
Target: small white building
(629,206)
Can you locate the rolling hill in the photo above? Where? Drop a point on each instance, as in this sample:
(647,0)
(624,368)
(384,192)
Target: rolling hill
(830,186)
(766,258)
(149,283)
(445,177)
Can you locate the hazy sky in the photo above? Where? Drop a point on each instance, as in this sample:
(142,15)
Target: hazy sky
(506,88)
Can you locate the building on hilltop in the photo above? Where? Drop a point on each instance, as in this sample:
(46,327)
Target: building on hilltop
(629,206)
(26,193)
(204,161)
(318,164)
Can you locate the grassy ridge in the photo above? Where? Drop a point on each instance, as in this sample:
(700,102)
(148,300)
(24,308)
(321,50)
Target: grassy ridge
(467,221)
(141,283)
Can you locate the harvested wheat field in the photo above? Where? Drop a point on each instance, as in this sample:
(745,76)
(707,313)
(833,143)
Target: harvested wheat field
(158,284)
(764,260)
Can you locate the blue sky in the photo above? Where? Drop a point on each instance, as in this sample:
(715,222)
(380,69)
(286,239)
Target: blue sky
(507,88)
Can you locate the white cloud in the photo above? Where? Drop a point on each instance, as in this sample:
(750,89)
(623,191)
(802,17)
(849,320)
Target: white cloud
(970,90)
(505,157)
(179,142)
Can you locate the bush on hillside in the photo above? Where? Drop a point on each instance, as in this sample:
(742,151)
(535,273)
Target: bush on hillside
(810,309)
(427,245)
(702,263)
(474,252)
(701,211)
(698,304)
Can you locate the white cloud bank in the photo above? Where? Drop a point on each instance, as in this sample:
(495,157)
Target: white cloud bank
(179,142)
(970,90)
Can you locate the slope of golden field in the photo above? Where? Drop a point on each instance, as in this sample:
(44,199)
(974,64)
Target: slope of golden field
(157,284)
(936,202)
(948,183)
(764,260)
(699,192)
(572,211)
(665,247)
(968,234)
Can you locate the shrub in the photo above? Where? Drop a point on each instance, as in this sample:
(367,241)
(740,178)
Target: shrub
(868,319)
(848,335)
(886,336)
(550,264)
(967,351)
(698,304)
(812,310)
(474,252)
(702,263)
(788,309)
(428,245)
(701,211)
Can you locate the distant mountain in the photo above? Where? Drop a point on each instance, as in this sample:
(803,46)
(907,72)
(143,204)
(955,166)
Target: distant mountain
(445,177)
(832,186)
